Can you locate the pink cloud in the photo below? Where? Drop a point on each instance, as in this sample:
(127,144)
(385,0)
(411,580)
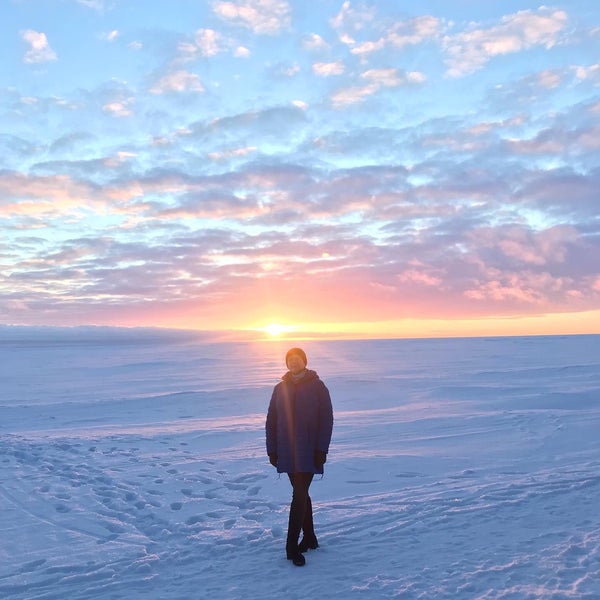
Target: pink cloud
(471,50)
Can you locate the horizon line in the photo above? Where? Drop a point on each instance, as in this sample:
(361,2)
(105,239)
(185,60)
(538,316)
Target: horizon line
(260,335)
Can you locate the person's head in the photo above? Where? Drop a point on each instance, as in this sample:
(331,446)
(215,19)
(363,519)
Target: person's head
(295,360)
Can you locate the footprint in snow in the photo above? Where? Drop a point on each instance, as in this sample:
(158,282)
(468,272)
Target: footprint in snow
(31,566)
(195,519)
(250,478)
(215,514)
(236,486)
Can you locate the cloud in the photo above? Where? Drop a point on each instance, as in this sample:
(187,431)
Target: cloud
(314,42)
(284,70)
(353,95)
(472,50)
(588,73)
(328,69)
(207,41)
(559,140)
(465,264)
(414,31)
(178,81)
(241,52)
(420,274)
(376,80)
(378,35)
(119,108)
(267,17)
(71,142)
(353,19)
(267,126)
(44,197)
(505,288)
(401,34)
(392,77)
(39,50)
(235,153)
(549,79)
(111,36)
(525,247)
(366,47)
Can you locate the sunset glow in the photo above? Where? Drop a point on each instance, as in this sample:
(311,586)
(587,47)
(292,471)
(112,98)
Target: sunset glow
(276,329)
(353,169)
(559,324)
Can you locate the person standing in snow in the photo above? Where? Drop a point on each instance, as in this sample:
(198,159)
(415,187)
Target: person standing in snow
(298,432)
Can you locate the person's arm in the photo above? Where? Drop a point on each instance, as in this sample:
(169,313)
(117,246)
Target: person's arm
(271,429)
(325,419)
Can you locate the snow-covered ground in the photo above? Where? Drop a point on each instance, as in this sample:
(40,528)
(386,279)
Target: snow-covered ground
(133,466)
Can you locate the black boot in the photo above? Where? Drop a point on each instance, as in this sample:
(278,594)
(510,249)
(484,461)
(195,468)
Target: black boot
(296,557)
(308,543)
(309,539)
(297,510)
(291,547)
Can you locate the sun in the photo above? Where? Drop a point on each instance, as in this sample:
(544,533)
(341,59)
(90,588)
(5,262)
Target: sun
(276,329)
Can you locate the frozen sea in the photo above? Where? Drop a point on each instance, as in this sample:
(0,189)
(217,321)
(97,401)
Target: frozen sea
(132,465)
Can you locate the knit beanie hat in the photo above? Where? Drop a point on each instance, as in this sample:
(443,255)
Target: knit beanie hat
(299,352)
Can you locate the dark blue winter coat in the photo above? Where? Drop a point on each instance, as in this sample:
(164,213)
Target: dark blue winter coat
(299,422)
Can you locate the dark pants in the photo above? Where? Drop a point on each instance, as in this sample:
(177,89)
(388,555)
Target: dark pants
(301,516)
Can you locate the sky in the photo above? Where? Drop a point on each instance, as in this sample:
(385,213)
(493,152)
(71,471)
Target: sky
(385,168)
